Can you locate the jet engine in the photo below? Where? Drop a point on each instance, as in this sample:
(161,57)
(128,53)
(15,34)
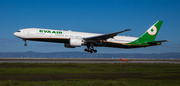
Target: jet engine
(73,42)
(67,45)
(76,42)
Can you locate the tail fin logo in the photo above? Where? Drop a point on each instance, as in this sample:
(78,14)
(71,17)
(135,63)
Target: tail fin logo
(152,30)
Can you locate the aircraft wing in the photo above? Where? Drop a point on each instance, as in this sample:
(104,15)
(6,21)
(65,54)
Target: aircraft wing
(105,36)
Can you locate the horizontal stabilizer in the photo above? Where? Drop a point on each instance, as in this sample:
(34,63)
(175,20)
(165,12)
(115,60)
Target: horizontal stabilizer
(154,42)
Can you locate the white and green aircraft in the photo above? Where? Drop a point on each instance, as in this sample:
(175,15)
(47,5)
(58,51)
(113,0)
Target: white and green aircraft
(73,39)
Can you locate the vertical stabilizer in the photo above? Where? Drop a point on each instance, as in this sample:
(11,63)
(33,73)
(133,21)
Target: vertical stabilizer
(149,35)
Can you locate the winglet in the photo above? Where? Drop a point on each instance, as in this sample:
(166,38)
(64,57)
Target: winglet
(127,29)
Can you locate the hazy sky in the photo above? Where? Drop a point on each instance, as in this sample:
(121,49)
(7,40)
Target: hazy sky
(95,16)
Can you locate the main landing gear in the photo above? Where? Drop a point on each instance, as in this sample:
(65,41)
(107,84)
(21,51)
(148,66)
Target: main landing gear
(25,43)
(90,48)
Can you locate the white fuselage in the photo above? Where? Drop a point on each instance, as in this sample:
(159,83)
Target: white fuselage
(38,33)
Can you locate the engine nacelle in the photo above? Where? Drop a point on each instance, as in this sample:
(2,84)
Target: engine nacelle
(76,42)
(67,45)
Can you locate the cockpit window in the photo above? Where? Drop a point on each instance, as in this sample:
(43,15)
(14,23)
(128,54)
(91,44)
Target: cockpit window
(18,31)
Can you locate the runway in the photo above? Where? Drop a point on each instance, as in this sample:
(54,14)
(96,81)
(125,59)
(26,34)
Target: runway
(85,60)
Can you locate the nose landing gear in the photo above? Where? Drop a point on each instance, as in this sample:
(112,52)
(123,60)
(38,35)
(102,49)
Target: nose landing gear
(25,43)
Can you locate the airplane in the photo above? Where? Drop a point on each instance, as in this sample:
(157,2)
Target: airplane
(72,39)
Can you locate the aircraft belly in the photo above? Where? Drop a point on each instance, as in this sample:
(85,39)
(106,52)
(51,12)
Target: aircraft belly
(117,45)
(57,40)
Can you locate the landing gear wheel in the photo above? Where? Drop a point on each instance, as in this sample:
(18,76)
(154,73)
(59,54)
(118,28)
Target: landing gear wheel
(86,50)
(90,50)
(95,51)
(25,44)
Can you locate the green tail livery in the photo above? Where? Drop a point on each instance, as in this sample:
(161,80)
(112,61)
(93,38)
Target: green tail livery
(148,38)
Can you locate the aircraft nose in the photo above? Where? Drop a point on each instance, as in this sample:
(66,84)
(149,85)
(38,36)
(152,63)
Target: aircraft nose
(17,34)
